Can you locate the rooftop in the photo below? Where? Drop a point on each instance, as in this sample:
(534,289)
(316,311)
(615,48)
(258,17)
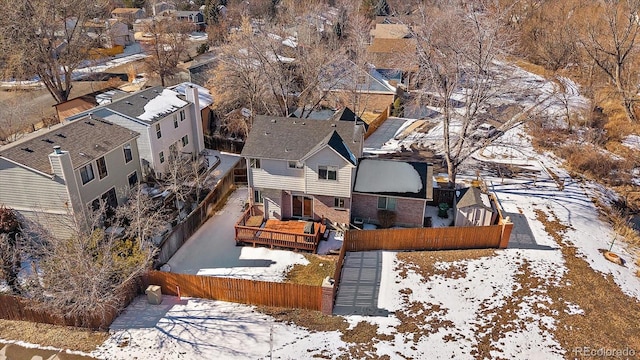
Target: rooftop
(292,138)
(85,139)
(149,105)
(392,178)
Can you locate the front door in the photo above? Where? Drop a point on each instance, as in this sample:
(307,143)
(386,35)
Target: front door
(302,206)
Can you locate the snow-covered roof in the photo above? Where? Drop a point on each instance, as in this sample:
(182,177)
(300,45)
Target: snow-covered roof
(392,177)
(204,96)
(165,103)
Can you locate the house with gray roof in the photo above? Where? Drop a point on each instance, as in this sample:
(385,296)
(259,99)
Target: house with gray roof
(402,187)
(169,124)
(58,176)
(303,168)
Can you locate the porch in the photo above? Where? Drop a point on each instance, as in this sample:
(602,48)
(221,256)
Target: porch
(253,229)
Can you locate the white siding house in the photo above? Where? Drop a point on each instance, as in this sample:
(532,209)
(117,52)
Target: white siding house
(303,169)
(167,122)
(55,176)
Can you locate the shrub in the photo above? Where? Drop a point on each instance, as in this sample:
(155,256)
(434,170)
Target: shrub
(386,218)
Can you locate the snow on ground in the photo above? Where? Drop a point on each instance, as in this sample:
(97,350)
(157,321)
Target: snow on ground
(500,299)
(632,141)
(333,242)
(212,249)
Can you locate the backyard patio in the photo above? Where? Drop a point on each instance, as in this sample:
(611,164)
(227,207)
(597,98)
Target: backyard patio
(291,234)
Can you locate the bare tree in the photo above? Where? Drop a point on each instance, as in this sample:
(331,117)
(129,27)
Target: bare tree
(51,44)
(88,272)
(185,175)
(610,40)
(168,45)
(10,252)
(456,50)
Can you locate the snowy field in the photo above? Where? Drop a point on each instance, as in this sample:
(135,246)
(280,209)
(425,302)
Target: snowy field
(496,305)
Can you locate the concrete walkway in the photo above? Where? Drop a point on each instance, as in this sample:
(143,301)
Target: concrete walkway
(360,285)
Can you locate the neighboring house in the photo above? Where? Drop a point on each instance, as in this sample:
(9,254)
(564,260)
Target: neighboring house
(357,88)
(58,175)
(128,15)
(85,102)
(159,8)
(392,58)
(200,67)
(474,208)
(403,187)
(390,31)
(192,17)
(109,33)
(167,122)
(204,99)
(301,168)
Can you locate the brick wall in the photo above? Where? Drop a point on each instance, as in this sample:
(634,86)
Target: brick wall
(324,206)
(409,212)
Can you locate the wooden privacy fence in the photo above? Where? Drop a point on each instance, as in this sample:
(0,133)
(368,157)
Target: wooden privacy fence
(375,124)
(446,238)
(23,309)
(183,231)
(239,290)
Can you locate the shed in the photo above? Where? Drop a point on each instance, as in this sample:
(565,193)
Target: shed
(474,208)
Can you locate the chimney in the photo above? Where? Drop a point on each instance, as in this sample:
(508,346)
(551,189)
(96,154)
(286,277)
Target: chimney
(56,150)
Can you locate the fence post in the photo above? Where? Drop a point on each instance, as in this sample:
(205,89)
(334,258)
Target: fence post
(507,227)
(327,296)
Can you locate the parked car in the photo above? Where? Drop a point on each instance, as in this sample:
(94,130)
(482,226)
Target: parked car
(485,131)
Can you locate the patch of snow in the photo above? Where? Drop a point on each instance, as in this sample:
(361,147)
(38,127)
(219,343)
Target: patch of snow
(290,41)
(334,242)
(632,141)
(166,102)
(28,345)
(377,176)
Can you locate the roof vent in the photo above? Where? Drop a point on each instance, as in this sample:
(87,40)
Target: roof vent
(61,135)
(128,102)
(144,97)
(48,141)
(56,149)
(273,121)
(89,123)
(83,154)
(27,150)
(333,125)
(304,123)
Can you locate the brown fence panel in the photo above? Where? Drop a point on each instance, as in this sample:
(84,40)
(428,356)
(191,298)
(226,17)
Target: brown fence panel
(447,238)
(375,124)
(239,290)
(23,309)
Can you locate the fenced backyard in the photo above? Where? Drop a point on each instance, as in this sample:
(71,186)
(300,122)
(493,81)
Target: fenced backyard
(239,290)
(183,230)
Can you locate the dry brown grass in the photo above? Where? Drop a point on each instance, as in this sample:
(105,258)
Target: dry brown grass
(315,272)
(62,337)
(610,316)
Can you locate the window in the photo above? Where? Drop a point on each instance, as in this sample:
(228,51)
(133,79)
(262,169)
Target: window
(86,173)
(128,156)
(133,179)
(254,163)
(185,140)
(158,132)
(182,117)
(338,203)
(102,167)
(175,121)
(110,198)
(257,197)
(161,155)
(173,149)
(95,205)
(386,203)
(295,165)
(327,172)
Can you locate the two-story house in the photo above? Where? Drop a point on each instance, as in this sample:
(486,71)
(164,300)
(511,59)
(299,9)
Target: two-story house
(301,168)
(59,176)
(168,123)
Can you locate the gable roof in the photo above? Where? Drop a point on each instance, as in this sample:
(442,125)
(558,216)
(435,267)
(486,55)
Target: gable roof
(293,139)
(85,139)
(387,177)
(346,75)
(346,114)
(391,53)
(204,95)
(335,142)
(149,105)
(472,196)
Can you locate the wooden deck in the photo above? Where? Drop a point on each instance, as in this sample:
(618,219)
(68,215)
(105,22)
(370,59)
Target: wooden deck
(276,233)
